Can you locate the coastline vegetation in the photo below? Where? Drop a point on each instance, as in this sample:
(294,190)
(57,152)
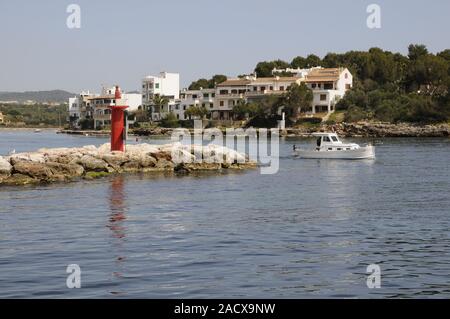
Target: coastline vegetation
(25,115)
(388,87)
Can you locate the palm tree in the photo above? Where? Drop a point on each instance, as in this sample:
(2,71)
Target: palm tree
(158,102)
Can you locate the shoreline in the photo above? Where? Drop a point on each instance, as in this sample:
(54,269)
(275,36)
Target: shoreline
(361,129)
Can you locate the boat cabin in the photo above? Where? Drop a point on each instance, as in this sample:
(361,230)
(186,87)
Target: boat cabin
(331,142)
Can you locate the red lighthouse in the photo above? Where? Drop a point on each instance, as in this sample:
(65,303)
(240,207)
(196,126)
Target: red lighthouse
(118,122)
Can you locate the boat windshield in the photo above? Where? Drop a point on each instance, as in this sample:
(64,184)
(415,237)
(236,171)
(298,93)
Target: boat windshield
(335,139)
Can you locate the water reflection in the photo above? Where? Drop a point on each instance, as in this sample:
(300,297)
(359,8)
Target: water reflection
(117,207)
(117,218)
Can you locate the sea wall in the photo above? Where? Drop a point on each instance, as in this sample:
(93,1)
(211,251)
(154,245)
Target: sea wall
(66,164)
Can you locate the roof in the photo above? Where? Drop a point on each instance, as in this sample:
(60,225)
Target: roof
(234,82)
(324,75)
(276,79)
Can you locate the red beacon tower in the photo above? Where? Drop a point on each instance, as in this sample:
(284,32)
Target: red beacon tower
(118,122)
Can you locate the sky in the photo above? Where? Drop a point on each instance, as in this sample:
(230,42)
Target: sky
(120,42)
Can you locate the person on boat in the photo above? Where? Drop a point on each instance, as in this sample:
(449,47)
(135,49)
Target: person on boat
(319,142)
(294,148)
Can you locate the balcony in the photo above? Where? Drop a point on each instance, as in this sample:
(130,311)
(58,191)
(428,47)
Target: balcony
(264,92)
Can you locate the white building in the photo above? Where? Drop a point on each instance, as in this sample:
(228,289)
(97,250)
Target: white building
(250,89)
(193,98)
(101,105)
(88,105)
(228,94)
(167,85)
(328,86)
(80,108)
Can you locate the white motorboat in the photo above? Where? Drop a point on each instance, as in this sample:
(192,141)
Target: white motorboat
(329,146)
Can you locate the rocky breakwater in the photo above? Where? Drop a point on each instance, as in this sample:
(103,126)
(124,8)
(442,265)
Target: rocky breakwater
(66,164)
(391,130)
(368,129)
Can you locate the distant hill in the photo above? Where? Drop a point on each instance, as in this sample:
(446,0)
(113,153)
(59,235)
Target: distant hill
(56,96)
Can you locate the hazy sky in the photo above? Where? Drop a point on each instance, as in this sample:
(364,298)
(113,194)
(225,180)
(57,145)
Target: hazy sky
(122,41)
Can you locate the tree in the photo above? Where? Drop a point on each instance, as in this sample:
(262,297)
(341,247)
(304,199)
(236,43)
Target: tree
(297,98)
(199,111)
(264,69)
(298,62)
(312,60)
(170,121)
(243,110)
(428,70)
(416,51)
(217,79)
(159,102)
(200,83)
(331,60)
(207,84)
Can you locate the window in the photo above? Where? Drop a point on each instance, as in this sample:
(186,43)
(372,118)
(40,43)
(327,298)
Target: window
(211,105)
(262,88)
(346,75)
(184,107)
(281,88)
(323,97)
(194,96)
(334,138)
(255,88)
(223,92)
(234,91)
(205,94)
(156,85)
(213,94)
(221,103)
(313,85)
(326,139)
(328,86)
(271,88)
(203,104)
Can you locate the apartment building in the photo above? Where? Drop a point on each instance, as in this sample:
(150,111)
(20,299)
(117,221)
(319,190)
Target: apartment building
(190,98)
(165,84)
(101,105)
(89,105)
(228,94)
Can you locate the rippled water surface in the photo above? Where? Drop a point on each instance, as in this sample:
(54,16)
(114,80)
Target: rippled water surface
(308,231)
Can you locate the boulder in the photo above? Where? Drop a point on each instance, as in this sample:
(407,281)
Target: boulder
(164,164)
(19,179)
(92,164)
(66,170)
(131,166)
(35,170)
(29,157)
(5,167)
(164,155)
(115,159)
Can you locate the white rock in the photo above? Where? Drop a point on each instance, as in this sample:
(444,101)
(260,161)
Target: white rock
(5,166)
(29,157)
